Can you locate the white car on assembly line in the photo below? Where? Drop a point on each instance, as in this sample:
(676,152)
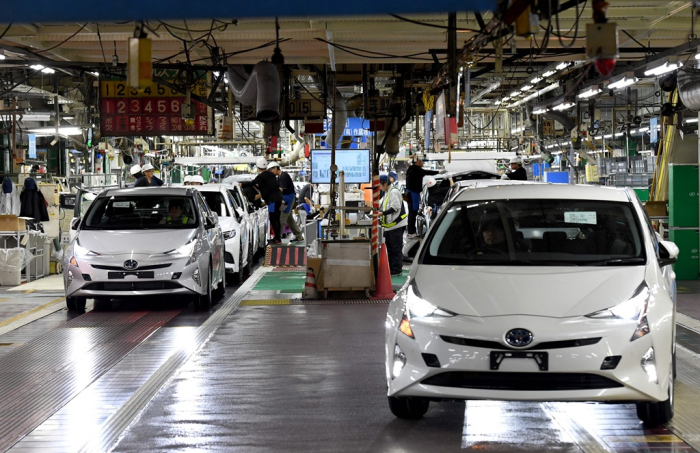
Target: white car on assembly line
(258,217)
(239,247)
(536,293)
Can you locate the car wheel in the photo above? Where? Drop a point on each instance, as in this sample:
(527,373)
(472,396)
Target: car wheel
(408,408)
(657,413)
(76,303)
(206,299)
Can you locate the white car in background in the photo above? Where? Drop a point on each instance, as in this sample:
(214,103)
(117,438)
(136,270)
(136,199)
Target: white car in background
(258,216)
(536,292)
(236,230)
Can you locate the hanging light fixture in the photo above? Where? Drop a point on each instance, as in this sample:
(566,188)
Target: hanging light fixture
(668,66)
(539,111)
(564,105)
(626,80)
(589,92)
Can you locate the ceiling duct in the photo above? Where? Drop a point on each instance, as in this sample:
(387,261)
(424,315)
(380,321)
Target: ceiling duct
(261,88)
(562,118)
(689,89)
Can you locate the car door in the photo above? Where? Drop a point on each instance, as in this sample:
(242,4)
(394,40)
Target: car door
(243,209)
(243,226)
(214,240)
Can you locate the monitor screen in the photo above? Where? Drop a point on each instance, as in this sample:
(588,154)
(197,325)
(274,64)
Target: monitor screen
(354,162)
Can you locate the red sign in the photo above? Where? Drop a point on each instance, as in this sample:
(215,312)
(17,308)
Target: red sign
(156,110)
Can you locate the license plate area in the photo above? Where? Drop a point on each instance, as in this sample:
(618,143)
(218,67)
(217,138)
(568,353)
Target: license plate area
(137,274)
(541,358)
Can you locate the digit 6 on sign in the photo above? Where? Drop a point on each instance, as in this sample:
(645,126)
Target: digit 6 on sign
(162,105)
(175,106)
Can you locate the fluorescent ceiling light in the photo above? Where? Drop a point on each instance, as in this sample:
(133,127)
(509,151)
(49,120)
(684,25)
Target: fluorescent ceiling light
(697,56)
(663,69)
(622,83)
(539,78)
(505,99)
(564,106)
(539,111)
(61,130)
(607,136)
(36,117)
(591,91)
(526,87)
(514,93)
(562,65)
(2,54)
(549,73)
(691,120)
(44,69)
(489,88)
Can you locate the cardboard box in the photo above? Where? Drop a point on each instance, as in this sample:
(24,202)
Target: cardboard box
(12,223)
(656,208)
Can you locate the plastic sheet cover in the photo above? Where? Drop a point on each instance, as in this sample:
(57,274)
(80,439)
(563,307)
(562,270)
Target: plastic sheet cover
(14,260)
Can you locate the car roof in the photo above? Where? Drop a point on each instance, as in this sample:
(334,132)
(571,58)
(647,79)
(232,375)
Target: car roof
(240,178)
(211,187)
(545,191)
(144,191)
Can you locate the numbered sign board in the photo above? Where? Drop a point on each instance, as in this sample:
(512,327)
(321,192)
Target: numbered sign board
(154,110)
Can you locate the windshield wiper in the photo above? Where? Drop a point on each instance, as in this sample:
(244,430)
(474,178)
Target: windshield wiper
(615,262)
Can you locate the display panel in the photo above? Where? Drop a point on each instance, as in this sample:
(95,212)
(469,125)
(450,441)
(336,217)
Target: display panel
(354,162)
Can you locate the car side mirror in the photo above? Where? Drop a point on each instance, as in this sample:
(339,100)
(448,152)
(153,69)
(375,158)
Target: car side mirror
(75,223)
(668,253)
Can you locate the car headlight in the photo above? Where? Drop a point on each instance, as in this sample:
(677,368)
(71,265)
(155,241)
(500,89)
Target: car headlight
(633,309)
(79,251)
(417,307)
(191,250)
(229,234)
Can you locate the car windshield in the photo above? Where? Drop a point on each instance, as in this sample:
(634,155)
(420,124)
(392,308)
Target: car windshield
(216,202)
(141,213)
(523,232)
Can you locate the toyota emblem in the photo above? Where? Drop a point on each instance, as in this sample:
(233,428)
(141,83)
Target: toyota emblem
(519,337)
(130,265)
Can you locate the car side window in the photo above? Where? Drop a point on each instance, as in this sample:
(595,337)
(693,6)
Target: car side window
(203,208)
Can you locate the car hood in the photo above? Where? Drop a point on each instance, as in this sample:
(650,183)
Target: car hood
(140,241)
(556,292)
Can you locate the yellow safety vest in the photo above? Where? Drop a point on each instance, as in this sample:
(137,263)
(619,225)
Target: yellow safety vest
(402,214)
(169,220)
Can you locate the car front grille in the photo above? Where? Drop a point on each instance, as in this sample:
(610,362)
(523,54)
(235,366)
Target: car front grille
(541,346)
(521,381)
(121,268)
(132,286)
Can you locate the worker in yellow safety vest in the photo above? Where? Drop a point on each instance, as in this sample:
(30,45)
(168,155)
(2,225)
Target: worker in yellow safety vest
(176,209)
(394,221)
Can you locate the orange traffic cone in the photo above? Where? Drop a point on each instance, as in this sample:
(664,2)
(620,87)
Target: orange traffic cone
(384,288)
(310,289)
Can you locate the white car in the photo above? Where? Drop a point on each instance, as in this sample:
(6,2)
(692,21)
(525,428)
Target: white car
(257,216)
(536,293)
(239,249)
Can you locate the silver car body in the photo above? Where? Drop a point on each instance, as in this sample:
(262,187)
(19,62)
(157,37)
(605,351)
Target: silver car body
(236,228)
(257,217)
(114,263)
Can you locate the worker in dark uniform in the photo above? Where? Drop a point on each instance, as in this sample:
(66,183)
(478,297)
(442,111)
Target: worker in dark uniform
(393,218)
(148,179)
(517,171)
(266,182)
(414,185)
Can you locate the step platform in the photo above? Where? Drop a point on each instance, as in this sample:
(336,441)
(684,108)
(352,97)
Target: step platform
(285,256)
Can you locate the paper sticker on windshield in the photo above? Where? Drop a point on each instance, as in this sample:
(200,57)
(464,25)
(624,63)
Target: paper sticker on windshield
(121,204)
(588,217)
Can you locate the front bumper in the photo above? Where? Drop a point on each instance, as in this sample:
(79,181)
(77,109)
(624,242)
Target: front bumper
(91,277)
(574,373)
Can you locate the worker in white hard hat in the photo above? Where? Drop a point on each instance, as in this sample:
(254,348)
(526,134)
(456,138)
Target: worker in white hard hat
(517,171)
(289,197)
(187,181)
(266,183)
(136,172)
(197,180)
(148,179)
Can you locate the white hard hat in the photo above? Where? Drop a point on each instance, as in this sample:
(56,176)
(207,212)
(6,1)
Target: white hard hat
(197,178)
(135,169)
(147,167)
(272,165)
(517,160)
(187,179)
(430,181)
(261,163)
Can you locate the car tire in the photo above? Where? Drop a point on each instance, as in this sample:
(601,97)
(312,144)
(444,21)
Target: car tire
(76,303)
(654,414)
(205,300)
(408,408)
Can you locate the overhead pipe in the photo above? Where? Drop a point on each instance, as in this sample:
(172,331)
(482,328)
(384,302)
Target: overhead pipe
(562,118)
(689,90)
(261,87)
